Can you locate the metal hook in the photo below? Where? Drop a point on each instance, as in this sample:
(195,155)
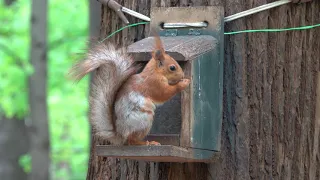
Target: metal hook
(120,10)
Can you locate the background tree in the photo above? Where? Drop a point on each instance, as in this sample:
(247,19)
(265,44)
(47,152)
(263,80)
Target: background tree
(13,131)
(67,106)
(269,127)
(39,134)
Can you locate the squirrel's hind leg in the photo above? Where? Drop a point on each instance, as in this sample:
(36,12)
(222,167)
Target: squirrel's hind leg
(110,137)
(137,142)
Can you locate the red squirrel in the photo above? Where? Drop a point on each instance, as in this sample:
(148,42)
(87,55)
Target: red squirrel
(122,102)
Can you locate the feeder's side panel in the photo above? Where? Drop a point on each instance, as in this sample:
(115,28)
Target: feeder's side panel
(207,92)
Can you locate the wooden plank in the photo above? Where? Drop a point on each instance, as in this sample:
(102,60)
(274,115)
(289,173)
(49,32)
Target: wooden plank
(186,109)
(109,150)
(175,14)
(163,153)
(162,159)
(181,48)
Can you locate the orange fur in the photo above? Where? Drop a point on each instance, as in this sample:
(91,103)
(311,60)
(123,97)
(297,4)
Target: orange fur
(158,83)
(122,103)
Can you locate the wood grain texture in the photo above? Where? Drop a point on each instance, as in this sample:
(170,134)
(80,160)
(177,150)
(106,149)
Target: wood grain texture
(270,129)
(163,153)
(181,48)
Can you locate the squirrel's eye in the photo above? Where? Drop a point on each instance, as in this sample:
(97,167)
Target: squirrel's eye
(172,67)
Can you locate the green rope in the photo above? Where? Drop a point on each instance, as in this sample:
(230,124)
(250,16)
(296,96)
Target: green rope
(228,33)
(130,25)
(273,30)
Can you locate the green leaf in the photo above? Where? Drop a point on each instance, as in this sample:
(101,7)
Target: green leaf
(25,163)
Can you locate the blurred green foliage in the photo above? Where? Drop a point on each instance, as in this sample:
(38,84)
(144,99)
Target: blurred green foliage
(14,66)
(67,101)
(25,162)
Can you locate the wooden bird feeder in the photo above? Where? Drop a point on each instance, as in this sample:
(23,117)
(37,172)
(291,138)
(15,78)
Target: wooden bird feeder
(189,125)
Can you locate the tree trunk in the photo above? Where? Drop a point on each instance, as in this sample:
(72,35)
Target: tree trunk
(13,144)
(94,21)
(269,128)
(39,145)
(95,18)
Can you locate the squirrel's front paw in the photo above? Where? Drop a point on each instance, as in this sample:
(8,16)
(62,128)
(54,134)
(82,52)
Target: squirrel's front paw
(184,83)
(154,143)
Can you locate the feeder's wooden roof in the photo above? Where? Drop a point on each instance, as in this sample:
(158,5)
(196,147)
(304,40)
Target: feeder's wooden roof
(181,48)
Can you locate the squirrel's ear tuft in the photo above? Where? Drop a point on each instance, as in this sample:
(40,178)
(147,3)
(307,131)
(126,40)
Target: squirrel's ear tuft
(158,53)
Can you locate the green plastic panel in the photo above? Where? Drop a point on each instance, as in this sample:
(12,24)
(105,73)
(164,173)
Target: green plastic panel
(207,104)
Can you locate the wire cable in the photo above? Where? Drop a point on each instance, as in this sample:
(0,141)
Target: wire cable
(256,10)
(273,30)
(228,33)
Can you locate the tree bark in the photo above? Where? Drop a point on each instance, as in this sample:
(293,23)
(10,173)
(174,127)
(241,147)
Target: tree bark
(14,144)
(269,128)
(39,134)
(95,18)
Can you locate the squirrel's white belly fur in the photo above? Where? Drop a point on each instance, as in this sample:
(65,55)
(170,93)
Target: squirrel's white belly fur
(134,113)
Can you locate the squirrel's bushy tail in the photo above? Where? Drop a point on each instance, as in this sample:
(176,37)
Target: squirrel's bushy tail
(112,68)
